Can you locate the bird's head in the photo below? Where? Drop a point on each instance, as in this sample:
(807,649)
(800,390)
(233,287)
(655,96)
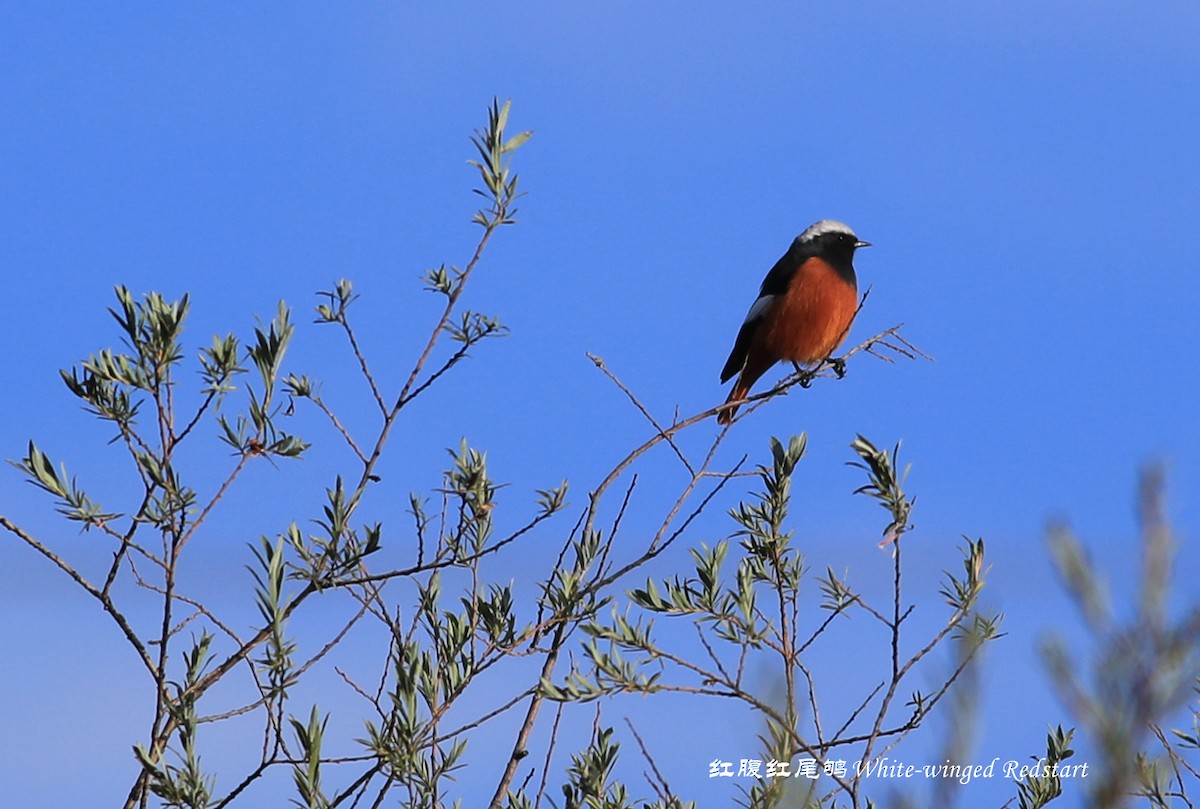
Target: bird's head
(829,237)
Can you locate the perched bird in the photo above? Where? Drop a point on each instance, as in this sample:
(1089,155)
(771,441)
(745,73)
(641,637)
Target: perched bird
(804,309)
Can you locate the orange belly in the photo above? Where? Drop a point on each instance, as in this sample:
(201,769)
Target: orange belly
(811,319)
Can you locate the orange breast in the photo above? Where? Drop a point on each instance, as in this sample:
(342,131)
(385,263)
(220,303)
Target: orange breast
(811,319)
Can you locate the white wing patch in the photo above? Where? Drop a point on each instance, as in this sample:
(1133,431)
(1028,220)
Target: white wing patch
(759,308)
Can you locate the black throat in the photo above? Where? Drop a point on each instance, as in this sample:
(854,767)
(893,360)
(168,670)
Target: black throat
(836,249)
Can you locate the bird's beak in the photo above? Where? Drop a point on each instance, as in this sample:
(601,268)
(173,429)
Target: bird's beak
(861,244)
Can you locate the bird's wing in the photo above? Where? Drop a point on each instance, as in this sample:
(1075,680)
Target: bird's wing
(776,283)
(780,276)
(741,346)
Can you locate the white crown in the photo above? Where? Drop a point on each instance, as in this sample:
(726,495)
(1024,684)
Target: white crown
(826,226)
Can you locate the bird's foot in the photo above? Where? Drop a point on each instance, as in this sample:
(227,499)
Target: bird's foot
(839,366)
(802,376)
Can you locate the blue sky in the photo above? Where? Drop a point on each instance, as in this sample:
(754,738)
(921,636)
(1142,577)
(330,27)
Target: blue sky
(1026,171)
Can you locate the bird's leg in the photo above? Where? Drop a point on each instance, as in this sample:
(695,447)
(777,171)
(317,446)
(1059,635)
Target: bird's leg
(805,378)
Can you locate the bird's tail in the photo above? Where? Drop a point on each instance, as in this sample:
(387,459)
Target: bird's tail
(740,391)
(754,368)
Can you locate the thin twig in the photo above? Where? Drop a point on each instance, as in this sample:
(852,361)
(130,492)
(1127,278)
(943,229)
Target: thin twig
(104,599)
(662,787)
(337,424)
(549,754)
(362,364)
(642,409)
(216,498)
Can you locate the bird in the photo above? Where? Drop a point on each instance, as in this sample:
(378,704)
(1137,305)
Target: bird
(803,311)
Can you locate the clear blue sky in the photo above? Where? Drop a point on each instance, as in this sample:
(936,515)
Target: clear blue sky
(1028,173)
